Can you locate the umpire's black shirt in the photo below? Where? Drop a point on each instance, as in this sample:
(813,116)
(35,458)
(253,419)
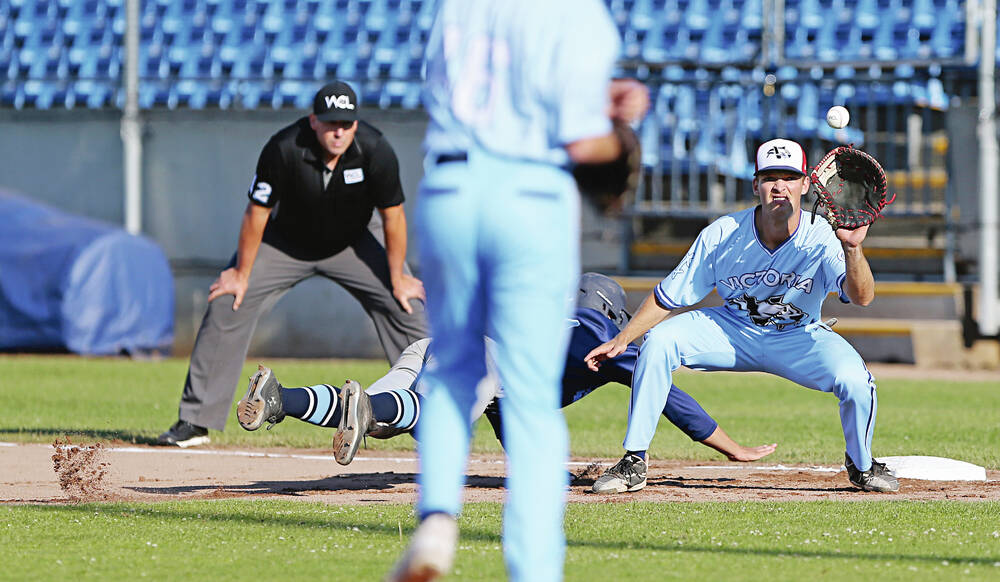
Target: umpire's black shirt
(310,221)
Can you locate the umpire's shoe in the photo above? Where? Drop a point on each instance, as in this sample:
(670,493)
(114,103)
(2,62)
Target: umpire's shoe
(356,419)
(262,402)
(431,550)
(878,478)
(183,434)
(628,475)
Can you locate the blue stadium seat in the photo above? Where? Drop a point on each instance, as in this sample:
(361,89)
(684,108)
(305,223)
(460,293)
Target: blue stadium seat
(173,28)
(400,94)
(323,26)
(714,49)
(697,17)
(370,92)
(293,94)
(867,15)
(812,15)
(147,94)
(256,94)
(177,59)
(752,15)
(309,61)
(807,113)
(923,15)
(948,36)
(229,58)
(95,94)
(885,48)
(37,94)
(189,93)
(284,62)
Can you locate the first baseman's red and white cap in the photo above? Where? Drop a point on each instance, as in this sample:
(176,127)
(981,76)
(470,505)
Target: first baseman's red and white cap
(780,154)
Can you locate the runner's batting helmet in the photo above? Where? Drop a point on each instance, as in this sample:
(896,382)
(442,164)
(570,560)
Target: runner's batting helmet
(604,294)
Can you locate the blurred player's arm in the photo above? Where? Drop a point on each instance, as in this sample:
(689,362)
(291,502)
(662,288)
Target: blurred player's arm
(628,102)
(233,281)
(649,314)
(404,287)
(860,283)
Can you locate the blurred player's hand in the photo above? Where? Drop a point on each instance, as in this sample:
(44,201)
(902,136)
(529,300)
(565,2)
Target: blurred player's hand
(406,287)
(629,100)
(605,351)
(230,282)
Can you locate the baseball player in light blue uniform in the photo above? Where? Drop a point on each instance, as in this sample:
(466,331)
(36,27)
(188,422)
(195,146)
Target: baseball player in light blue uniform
(773,265)
(513,98)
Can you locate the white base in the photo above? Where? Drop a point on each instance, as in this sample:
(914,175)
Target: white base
(933,468)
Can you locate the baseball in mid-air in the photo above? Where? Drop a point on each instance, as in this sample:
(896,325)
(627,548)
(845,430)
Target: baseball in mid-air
(837,117)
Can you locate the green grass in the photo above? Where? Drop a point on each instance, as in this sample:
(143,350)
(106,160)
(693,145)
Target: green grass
(111,399)
(238,540)
(46,397)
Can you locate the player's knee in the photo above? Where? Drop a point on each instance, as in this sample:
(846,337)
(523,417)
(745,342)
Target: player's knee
(660,339)
(854,385)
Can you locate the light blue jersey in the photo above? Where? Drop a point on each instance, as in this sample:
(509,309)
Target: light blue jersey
(509,83)
(769,289)
(519,78)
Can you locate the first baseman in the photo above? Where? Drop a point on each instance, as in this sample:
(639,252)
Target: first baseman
(773,266)
(512,101)
(311,201)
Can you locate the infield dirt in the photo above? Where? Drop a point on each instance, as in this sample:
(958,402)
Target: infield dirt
(136,473)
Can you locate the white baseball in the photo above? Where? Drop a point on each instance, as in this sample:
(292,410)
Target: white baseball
(837,117)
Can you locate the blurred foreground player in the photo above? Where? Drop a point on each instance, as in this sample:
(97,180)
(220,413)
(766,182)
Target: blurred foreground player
(512,100)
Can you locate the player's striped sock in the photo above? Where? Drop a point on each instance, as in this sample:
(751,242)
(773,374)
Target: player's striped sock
(319,405)
(398,408)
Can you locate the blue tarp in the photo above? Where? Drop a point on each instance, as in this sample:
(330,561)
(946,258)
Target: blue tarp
(73,283)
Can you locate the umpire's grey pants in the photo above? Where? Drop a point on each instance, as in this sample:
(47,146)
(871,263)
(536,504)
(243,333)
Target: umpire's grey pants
(224,336)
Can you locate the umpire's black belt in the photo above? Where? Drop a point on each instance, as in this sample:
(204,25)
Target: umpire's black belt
(451,157)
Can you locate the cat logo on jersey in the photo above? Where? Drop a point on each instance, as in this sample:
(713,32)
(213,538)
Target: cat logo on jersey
(771,311)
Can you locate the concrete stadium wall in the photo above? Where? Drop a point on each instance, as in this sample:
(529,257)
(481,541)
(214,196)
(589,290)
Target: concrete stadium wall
(197,168)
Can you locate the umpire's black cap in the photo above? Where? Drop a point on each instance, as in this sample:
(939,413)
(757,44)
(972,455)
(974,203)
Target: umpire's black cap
(336,101)
(604,294)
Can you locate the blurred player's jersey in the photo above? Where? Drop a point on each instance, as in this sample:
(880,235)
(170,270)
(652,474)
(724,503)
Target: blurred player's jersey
(768,289)
(479,94)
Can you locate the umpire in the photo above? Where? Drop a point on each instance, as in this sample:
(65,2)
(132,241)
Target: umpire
(311,201)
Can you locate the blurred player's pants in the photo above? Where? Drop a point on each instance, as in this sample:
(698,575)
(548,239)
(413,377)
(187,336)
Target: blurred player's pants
(224,336)
(711,339)
(500,257)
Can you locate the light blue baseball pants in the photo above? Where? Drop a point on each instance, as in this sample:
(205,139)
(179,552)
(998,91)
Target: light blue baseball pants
(499,249)
(709,339)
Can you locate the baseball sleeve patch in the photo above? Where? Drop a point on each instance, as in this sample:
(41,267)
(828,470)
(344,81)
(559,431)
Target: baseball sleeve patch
(260,191)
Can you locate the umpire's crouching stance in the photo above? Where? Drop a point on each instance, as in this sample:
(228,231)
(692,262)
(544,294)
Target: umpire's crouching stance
(311,201)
